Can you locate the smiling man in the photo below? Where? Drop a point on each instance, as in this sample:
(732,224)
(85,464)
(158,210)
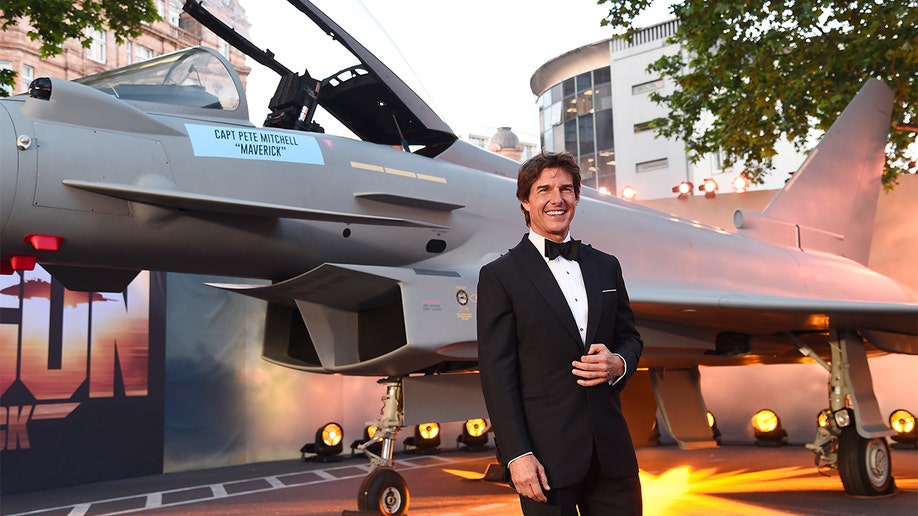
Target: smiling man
(556,345)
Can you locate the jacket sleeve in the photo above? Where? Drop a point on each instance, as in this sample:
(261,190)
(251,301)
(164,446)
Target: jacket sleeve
(499,366)
(627,339)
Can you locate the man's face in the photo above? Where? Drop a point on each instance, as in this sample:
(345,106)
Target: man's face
(551,204)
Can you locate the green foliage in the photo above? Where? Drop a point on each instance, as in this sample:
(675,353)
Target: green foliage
(55,21)
(751,72)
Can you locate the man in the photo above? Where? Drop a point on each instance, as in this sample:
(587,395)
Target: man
(556,344)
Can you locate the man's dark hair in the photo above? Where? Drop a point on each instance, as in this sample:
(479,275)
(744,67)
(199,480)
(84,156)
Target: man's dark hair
(532,168)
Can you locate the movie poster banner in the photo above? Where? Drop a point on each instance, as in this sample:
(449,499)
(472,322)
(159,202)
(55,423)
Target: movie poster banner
(81,382)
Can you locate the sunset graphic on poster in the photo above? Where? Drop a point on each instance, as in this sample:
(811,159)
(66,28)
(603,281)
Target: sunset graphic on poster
(60,350)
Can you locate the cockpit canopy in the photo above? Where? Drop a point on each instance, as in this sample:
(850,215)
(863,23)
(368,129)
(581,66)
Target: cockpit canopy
(194,81)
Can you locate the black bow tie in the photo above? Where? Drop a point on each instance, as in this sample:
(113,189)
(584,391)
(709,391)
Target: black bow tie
(568,249)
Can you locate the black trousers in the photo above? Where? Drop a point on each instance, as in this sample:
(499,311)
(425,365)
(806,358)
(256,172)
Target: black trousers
(596,495)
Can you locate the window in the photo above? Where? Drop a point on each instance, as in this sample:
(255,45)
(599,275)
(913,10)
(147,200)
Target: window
(175,12)
(142,53)
(225,49)
(649,166)
(588,170)
(570,137)
(605,136)
(646,87)
(587,140)
(28,75)
(602,97)
(97,46)
(642,127)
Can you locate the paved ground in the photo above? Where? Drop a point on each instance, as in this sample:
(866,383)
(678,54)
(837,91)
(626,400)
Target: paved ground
(731,480)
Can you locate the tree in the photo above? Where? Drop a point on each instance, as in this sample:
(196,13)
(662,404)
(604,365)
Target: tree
(750,73)
(53,22)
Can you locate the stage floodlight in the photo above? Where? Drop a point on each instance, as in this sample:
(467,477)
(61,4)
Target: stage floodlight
(426,439)
(709,187)
(629,193)
(903,422)
(327,445)
(369,433)
(684,189)
(474,435)
(767,429)
(741,183)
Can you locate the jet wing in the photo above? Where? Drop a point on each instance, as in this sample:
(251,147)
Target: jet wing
(771,314)
(179,200)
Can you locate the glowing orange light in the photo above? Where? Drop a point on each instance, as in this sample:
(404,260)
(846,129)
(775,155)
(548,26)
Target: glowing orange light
(765,421)
(429,430)
(475,427)
(902,421)
(332,434)
(741,183)
(629,193)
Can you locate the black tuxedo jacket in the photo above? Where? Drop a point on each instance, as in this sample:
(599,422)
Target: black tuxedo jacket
(527,339)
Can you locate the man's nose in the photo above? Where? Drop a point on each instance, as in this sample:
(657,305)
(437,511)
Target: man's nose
(555,197)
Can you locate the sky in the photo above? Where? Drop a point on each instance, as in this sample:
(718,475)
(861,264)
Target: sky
(474,58)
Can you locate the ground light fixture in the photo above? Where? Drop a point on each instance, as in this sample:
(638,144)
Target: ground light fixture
(767,429)
(684,189)
(741,183)
(629,193)
(426,439)
(474,436)
(327,446)
(709,187)
(903,422)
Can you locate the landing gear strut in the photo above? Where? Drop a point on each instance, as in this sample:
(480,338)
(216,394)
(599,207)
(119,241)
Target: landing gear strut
(383,491)
(854,437)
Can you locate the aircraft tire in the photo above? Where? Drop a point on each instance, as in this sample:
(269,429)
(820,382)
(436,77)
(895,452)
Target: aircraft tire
(864,465)
(385,491)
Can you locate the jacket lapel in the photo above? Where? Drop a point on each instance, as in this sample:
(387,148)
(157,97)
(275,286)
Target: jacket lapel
(534,267)
(589,268)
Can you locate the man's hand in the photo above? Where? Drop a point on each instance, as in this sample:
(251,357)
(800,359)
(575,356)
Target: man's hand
(598,366)
(529,478)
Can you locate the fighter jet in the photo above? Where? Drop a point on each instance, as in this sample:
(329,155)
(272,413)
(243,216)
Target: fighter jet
(372,243)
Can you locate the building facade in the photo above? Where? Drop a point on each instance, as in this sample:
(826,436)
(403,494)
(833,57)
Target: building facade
(176,30)
(594,102)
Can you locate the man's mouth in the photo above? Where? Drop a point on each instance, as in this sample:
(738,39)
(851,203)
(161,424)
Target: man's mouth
(555,213)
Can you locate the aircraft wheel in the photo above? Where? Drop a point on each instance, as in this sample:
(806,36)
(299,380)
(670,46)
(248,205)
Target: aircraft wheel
(864,465)
(385,491)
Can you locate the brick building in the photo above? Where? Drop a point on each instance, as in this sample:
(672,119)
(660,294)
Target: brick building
(177,30)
